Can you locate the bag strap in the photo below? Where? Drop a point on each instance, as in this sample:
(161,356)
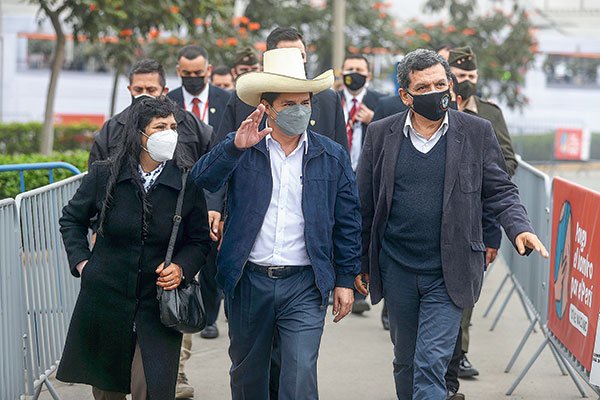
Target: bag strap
(176,220)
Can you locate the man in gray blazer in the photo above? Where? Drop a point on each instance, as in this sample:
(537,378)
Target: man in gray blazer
(423,177)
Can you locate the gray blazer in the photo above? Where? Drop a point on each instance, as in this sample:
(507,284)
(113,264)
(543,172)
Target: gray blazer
(475,173)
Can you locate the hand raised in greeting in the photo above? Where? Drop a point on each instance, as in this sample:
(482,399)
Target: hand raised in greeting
(247,134)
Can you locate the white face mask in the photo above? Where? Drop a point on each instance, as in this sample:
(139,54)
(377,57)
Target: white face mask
(161,145)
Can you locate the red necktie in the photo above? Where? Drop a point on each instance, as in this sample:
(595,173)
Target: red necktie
(195,107)
(350,123)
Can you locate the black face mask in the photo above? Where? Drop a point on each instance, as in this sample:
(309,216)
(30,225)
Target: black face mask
(140,97)
(354,81)
(193,84)
(466,89)
(433,105)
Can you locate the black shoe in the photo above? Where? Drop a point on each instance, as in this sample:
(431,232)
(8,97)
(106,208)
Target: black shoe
(454,395)
(360,306)
(385,320)
(210,332)
(466,369)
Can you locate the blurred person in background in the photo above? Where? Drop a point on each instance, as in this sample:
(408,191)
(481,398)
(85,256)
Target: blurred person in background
(221,77)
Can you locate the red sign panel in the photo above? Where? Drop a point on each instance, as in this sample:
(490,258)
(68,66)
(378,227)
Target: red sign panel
(572,144)
(574,301)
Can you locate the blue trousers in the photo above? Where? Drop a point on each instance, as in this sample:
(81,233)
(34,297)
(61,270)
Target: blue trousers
(424,325)
(261,306)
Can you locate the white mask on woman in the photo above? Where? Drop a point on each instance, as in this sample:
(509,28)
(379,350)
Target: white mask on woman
(161,145)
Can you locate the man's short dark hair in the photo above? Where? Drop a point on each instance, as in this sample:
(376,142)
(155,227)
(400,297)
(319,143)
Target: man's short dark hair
(220,70)
(191,52)
(148,66)
(357,57)
(447,46)
(281,34)
(419,60)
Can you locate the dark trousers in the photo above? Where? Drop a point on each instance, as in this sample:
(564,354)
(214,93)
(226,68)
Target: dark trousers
(211,294)
(424,325)
(452,382)
(262,306)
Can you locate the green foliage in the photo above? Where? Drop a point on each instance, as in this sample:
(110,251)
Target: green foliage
(541,147)
(10,182)
(503,42)
(25,137)
(369,28)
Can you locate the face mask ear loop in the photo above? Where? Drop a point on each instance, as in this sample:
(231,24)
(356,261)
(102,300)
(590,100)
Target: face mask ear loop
(147,137)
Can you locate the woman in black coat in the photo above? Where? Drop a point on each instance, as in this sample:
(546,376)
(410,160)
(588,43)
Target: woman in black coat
(133,196)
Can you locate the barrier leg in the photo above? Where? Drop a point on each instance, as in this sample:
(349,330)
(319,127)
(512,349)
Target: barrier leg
(570,371)
(527,367)
(527,309)
(489,307)
(559,360)
(512,290)
(521,345)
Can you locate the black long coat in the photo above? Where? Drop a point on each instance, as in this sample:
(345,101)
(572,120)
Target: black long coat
(118,287)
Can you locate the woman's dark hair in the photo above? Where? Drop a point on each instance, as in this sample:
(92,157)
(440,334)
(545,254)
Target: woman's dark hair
(127,155)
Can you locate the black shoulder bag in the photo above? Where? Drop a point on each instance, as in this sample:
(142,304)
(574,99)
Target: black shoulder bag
(181,308)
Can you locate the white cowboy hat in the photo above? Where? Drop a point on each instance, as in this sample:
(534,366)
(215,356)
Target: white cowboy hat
(283,72)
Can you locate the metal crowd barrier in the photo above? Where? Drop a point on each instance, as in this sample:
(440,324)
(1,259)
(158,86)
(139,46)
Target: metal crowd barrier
(12,304)
(529,275)
(50,166)
(50,290)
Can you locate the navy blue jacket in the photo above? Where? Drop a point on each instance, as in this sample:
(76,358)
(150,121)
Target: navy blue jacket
(329,204)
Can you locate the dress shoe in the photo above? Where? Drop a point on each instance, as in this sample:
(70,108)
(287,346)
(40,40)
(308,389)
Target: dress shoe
(210,332)
(454,395)
(360,306)
(466,369)
(183,390)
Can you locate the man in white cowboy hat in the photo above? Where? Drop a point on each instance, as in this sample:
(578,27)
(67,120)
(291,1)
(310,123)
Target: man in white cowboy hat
(293,231)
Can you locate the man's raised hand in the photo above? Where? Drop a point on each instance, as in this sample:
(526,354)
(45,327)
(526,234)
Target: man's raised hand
(247,134)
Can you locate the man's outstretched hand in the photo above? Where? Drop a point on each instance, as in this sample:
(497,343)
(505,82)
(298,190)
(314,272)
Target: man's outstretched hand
(247,134)
(529,240)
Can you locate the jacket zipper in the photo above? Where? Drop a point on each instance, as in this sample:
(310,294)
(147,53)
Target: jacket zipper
(312,264)
(261,223)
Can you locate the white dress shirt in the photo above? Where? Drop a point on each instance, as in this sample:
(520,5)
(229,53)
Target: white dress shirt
(357,132)
(188,101)
(281,237)
(419,141)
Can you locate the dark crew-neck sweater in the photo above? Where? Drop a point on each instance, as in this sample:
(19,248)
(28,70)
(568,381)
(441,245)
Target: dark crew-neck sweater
(413,233)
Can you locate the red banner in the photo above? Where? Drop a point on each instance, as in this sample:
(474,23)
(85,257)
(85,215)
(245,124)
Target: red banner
(572,144)
(574,301)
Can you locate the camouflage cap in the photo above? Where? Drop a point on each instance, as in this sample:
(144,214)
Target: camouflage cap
(463,58)
(246,56)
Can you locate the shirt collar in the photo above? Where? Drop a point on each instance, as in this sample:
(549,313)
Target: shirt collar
(359,97)
(188,97)
(303,142)
(409,128)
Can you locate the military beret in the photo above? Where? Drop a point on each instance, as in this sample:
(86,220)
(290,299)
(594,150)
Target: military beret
(463,58)
(246,56)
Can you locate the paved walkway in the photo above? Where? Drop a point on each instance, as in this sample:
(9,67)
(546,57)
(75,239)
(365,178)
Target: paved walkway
(356,355)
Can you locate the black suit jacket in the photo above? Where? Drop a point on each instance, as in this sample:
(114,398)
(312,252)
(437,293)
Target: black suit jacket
(370,100)
(327,117)
(388,105)
(217,101)
(475,173)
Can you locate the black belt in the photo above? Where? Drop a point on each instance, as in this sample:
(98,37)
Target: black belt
(276,271)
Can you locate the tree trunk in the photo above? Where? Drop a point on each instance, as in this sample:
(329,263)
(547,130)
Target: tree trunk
(115,86)
(58,57)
